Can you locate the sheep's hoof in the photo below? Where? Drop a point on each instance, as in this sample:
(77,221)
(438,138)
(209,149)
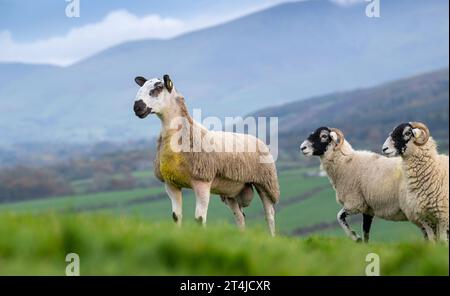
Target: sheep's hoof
(366,239)
(174,217)
(358,240)
(199,220)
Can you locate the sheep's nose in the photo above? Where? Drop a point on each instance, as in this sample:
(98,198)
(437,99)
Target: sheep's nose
(139,106)
(302,148)
(385,149)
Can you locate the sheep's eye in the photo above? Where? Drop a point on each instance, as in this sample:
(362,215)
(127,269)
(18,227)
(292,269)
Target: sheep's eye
(156,91)
(408,133)
(324,136)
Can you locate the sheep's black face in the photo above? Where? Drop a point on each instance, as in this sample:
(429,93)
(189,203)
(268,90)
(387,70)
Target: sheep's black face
(317,142)
(398,140)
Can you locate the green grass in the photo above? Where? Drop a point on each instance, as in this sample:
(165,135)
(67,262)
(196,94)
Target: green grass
(384,231)
(81,186)
(70,202)
(122,245)
(292,213)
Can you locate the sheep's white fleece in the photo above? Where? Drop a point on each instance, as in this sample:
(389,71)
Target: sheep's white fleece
(427,177)
(366,182)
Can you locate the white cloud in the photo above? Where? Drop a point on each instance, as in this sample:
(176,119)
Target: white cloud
(117,27)
(346,2)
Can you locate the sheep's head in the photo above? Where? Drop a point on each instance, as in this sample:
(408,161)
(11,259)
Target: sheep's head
(322,140)
(405,137)
(154,96)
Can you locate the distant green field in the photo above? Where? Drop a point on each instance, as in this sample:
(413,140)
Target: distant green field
(307,206)
(37,244)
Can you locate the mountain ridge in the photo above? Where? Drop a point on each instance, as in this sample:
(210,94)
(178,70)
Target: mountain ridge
(367,116)
(287,52)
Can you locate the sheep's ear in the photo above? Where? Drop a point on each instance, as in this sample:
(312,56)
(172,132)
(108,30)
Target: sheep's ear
(168,83)
(334,137)
(140,80)
(417,132)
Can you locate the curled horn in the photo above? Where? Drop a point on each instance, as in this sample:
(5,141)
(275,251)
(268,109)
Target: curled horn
(340,136)
(424,128)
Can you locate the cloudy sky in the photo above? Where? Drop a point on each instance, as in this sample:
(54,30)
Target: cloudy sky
(41,32)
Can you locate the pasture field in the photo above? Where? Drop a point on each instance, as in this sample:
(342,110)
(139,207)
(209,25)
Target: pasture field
(307,206)
(36,244)
(131,232)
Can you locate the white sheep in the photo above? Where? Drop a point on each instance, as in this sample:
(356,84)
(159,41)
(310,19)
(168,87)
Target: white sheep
(365,182)
(427,177)
(184,161)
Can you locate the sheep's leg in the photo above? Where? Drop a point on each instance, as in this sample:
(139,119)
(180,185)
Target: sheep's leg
(425,235)
(238,214)
(429,230)
(341,216)
(367,222)
(202,193)
(268,209)
(442,231)
(175,196)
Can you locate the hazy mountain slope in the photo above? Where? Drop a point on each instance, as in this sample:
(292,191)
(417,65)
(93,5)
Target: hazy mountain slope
(288,52)
(15,72)
(367,115)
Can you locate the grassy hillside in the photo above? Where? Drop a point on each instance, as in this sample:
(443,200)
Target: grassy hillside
(131,232)
(307,206)
(109,245)
(367,116)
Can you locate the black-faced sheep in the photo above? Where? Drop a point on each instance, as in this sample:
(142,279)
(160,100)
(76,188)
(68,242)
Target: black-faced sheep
(365,182)
(426,175)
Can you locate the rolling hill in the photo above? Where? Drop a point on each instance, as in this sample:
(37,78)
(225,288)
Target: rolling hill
(285,53)
(11,72)
(367,115)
